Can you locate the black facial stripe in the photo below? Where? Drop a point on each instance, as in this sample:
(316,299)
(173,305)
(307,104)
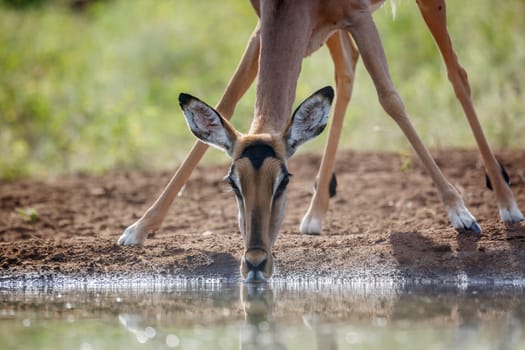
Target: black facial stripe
(257,152)
(256,230)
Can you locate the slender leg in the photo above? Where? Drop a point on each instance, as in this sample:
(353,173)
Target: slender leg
(367,39)
(344,54)
(434,14)
(240,82)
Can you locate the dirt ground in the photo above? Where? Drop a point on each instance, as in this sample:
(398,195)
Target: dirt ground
(386,221)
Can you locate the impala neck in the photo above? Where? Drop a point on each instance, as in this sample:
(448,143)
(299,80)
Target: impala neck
(285,31)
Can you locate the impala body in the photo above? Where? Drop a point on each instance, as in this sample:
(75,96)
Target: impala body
(287,31)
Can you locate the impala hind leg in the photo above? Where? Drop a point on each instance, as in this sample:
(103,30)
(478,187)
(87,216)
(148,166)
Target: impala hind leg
(240,82)
(365,34)
(434,14)
(344,54)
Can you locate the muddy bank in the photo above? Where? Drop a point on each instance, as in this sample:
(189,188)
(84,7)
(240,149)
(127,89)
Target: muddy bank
(385,222)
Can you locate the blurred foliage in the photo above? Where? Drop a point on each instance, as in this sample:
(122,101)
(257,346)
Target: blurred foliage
(20,4)
(28,214)
(91,85)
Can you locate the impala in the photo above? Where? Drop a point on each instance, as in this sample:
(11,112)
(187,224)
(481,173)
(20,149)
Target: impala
(287,31)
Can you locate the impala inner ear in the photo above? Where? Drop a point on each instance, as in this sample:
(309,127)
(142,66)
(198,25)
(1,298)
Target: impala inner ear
(309,119)
(207,124)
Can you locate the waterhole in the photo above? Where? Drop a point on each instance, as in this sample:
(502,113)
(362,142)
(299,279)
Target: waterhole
(210,314)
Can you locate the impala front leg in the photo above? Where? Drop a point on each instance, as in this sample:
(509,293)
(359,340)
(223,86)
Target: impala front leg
(344,55)
(240,82)
(367,39)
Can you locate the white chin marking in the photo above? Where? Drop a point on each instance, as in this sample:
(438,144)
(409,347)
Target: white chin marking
(260,276)
(250,276)
(511,214)
(310,226)
(256,276)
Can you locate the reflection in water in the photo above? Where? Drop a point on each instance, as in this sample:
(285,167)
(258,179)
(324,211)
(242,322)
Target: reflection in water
(278,316)
(324,334)
(260,331)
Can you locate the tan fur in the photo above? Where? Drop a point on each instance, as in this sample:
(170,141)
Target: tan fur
(257,194)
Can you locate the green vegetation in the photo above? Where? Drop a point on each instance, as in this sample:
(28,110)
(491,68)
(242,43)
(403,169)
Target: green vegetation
(95,89)
(28,214)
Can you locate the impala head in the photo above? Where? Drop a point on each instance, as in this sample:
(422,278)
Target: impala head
(258,174)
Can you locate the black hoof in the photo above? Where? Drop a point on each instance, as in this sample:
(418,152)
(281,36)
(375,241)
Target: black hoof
(474,228)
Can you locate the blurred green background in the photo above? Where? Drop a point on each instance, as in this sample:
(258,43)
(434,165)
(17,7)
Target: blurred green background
(87,86)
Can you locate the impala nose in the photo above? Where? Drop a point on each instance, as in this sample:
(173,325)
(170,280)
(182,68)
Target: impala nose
(255,260)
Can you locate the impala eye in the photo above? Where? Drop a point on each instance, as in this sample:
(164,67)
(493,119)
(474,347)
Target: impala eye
(234,186)
(282,186)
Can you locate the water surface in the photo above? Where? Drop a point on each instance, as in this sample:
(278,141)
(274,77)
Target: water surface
(211,315)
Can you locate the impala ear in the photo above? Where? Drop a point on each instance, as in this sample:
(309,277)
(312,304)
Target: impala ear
(309,119)
(207,124)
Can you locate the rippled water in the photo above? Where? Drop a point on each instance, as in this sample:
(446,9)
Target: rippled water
(202,315)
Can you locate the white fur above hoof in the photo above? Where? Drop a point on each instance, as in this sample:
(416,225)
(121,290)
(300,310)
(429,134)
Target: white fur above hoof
(310,226)
(511,214)
(462,220)
(133,235)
